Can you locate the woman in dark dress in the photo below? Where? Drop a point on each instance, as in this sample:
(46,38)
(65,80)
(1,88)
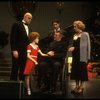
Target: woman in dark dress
(81,54)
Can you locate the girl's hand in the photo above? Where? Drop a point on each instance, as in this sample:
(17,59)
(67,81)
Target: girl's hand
(36,63)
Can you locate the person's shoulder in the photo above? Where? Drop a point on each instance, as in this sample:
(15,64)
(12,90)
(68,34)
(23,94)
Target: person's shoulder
(51,32)
(38,47)
(28,45)
(85,33)
(17,23)
(62,30)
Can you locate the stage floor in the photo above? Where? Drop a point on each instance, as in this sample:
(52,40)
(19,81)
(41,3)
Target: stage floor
(91,91)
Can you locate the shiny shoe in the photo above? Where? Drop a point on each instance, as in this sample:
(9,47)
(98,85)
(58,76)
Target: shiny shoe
(80,90)
(75,90)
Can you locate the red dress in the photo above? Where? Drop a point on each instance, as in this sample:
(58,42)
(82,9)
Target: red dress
(29,63)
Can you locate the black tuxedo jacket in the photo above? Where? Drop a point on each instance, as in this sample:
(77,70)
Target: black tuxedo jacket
(18,37)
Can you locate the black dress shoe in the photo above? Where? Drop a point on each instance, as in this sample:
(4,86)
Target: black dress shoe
(75,90)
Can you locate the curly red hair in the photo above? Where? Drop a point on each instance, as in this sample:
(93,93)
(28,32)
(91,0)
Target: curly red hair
(33,36)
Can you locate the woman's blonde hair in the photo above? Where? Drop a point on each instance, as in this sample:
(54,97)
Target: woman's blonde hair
(33,36)
(79,24)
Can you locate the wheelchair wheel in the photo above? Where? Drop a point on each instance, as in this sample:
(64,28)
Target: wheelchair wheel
(64,80)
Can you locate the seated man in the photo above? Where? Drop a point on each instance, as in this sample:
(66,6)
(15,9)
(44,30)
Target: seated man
(50,67)
(56,27)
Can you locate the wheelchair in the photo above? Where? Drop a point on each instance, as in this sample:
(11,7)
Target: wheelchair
(62,82)
(65,78)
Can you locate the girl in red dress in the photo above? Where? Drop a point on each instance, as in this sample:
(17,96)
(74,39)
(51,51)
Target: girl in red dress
(32,54)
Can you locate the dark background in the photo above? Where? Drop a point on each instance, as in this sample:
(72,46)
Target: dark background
(44,13)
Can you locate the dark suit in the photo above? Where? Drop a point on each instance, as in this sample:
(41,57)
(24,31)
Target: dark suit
(50,67)
(18,41)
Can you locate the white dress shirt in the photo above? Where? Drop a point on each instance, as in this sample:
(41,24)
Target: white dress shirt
(26,27)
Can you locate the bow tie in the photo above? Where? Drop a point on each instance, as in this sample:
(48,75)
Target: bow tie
(25,23)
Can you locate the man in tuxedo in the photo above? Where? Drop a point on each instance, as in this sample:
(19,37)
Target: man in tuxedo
(19,41)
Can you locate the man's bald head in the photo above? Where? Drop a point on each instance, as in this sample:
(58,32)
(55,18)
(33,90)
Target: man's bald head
(27,17)
(27,14)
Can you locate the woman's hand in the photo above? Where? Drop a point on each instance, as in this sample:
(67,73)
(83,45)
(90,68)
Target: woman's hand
(36,63)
